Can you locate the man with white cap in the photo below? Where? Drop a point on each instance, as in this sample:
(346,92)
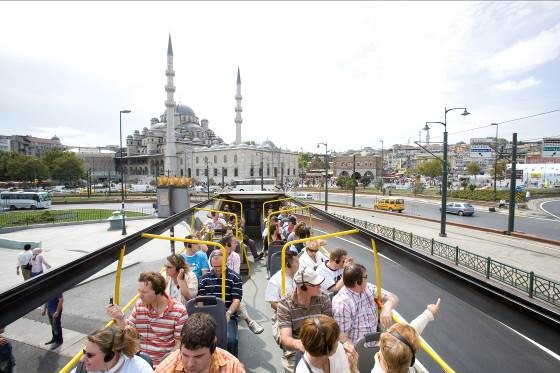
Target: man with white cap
(306,301)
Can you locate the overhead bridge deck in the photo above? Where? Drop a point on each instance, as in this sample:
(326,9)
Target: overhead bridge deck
(481,327)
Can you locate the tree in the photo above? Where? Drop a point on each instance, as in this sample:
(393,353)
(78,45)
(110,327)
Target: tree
(303,160)
(366,180)
(67,168)
(317,163)
(25,168)
(342,181)
(51,155)
(500,170)
(473,168)
(432,168)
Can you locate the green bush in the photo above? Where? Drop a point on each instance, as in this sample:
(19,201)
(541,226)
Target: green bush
(485,195)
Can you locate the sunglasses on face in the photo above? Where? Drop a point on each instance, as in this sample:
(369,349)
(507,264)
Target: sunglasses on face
(313,251)
(89,355)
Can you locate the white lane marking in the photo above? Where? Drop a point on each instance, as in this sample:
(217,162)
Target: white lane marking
(551,353)
(549,213)
(360,246)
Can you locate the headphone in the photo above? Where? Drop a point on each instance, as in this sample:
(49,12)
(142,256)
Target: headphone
(111,354)
(303,286)
(327,348)
(403,340)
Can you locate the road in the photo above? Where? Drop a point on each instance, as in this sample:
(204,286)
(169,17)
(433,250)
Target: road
(135,206)
(552,208)
(548,227)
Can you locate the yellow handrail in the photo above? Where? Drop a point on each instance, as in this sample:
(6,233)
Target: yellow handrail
(377,276)
(217,211)
(274,200)
(231,201)
(287,210)
(118,276)
(425,346)
(336,234)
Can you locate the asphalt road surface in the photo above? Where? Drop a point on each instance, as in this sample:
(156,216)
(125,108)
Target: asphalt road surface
(552,208)
(538,226)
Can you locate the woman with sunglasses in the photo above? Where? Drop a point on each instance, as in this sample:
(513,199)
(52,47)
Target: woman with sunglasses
(112,350)
(311,256)
(182,283)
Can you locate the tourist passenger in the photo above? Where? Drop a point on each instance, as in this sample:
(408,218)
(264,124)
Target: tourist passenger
(198,352)
(275,232)
(7,360)
(401,342)
(54,310)
(216,222)
(182,284)
(197,259)
(24,262)
(211,284)
(113,349)
(307,300)
(331,270)
(37,262)
(289,227)
(300,231)
(273,222)
(154,309)
(323,351)
(252,246)
(233,262)
(311,256)
(355,305)
(273,293)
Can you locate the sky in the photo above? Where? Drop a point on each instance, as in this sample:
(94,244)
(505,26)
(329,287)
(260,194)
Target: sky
(346,73)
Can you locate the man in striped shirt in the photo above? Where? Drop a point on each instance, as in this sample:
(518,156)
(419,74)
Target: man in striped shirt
(158,319)
(211,284)
(355,305)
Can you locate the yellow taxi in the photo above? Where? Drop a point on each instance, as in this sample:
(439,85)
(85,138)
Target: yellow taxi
(390,204)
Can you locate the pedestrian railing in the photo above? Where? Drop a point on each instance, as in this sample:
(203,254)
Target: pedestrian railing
(33,217)
(526,281)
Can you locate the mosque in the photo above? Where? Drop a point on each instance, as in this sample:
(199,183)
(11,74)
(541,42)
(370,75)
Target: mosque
(179,144)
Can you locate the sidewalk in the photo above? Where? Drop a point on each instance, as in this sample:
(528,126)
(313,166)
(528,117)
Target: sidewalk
(541,258)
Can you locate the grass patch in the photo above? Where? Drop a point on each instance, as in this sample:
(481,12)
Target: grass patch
(19,218)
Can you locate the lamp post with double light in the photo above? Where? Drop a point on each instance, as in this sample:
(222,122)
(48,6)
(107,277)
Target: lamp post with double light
(122,170)
(326,174)
(442,232)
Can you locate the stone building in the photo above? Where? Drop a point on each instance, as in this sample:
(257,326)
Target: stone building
(367,165)
(33,146)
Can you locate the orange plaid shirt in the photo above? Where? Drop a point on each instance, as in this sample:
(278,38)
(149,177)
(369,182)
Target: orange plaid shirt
(222,362)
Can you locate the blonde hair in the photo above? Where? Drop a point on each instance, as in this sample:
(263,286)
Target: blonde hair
(124,340)
(397,355)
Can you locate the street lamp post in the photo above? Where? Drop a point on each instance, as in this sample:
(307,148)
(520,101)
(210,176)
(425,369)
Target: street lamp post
(354,180)
(444,177)
(122,171)
(326,175)
(382,166)
(495,159)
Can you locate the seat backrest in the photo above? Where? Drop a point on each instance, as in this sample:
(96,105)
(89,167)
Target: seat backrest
(366,355)
(216,308)
(275,262)
(272,248)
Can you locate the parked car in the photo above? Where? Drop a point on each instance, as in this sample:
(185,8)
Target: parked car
(459,208)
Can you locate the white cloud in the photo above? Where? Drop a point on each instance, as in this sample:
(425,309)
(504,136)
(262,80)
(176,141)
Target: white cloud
(525,55)
(512,85)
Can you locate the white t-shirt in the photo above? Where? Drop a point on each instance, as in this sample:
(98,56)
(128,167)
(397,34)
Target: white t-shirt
(128,365)
(331,276)
(338,362)
(24,258)
(37,263)
(306,261)
(273,292)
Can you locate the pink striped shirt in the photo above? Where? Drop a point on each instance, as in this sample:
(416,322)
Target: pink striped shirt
(157,334)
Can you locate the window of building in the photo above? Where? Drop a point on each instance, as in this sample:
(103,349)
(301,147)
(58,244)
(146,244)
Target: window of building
(260,172)
(268,171)
(275,171)
(294,172)
(197,163)
(251,172)
(224,171)
(235,159)
(235,172)
(225,158)
(215,172)
(189,172)
(181,172)
(215,159)
(197,172)
(288,172)
(205,172)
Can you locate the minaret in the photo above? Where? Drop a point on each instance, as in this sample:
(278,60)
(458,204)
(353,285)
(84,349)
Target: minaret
(170,164)
(238,110)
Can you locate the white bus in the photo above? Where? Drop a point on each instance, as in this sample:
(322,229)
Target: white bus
(25,200)
(254,184)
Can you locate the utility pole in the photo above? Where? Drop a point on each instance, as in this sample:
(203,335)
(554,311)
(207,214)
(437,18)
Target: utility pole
(354,181)
(513,179)
(495,159)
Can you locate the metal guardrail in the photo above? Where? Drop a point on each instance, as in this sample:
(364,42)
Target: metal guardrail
(33,217)
(525,281)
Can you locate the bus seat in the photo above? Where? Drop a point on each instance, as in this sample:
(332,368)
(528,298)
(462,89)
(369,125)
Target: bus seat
(366,358)
(275,263)
(273,247)
(216,308)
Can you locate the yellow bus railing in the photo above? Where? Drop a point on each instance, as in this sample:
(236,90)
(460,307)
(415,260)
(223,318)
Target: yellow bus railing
(287,210)
(426,347)
(272,201)
(231,201)
(196,209)
(78,356)
(336,234)
(398,318)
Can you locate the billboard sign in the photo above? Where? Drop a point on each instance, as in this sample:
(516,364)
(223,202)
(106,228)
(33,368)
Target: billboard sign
(481,148)
(551,147)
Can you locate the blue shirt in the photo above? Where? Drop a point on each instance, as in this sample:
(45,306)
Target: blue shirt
(53,303)
(197,263)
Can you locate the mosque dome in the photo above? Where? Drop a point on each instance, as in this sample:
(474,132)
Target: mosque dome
(55,138)
(184,110)
(268,144)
